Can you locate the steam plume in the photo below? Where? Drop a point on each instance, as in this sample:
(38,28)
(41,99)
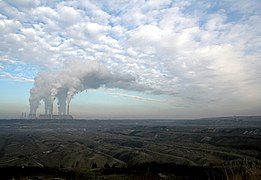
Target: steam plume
(75,77)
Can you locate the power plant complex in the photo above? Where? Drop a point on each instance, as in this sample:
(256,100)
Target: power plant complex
(49,114)
(75,77)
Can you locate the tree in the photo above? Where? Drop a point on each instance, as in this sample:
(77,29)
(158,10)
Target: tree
(94,165)
(106,165)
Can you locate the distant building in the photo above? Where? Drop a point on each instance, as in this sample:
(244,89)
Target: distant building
(49,116)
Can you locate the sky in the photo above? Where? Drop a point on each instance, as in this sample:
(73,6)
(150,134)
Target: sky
(186,59)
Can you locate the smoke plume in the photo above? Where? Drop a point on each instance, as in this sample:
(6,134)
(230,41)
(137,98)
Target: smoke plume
(76,76)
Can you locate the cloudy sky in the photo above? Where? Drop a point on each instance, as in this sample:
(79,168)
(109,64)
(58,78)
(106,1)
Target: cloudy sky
(192,58)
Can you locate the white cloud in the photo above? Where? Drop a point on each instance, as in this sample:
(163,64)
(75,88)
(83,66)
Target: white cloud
(5,60)
(23,3)
(202,50)
(135,97)
(9,26)
(68,15)
(16,78)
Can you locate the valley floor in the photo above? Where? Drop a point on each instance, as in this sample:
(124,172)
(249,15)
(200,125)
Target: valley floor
(220,148)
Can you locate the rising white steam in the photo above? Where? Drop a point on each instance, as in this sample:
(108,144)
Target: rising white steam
(76,76)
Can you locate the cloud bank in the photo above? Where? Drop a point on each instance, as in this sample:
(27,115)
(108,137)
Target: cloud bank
(195,52)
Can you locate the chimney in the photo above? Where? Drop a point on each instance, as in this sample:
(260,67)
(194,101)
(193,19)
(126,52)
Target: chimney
(51,113)
(68,108)
(46,110)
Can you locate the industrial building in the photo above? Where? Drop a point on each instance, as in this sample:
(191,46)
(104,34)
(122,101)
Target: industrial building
(50,115)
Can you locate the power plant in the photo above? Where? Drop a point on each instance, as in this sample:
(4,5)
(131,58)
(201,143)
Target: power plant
(50,115)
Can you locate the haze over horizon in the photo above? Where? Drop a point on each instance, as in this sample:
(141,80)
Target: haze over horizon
(131,59)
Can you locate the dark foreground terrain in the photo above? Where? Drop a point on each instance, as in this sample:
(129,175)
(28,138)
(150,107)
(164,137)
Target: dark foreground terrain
(214,148)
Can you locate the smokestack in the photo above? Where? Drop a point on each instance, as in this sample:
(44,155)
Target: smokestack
(68,108)
(46,111)
(51,111)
